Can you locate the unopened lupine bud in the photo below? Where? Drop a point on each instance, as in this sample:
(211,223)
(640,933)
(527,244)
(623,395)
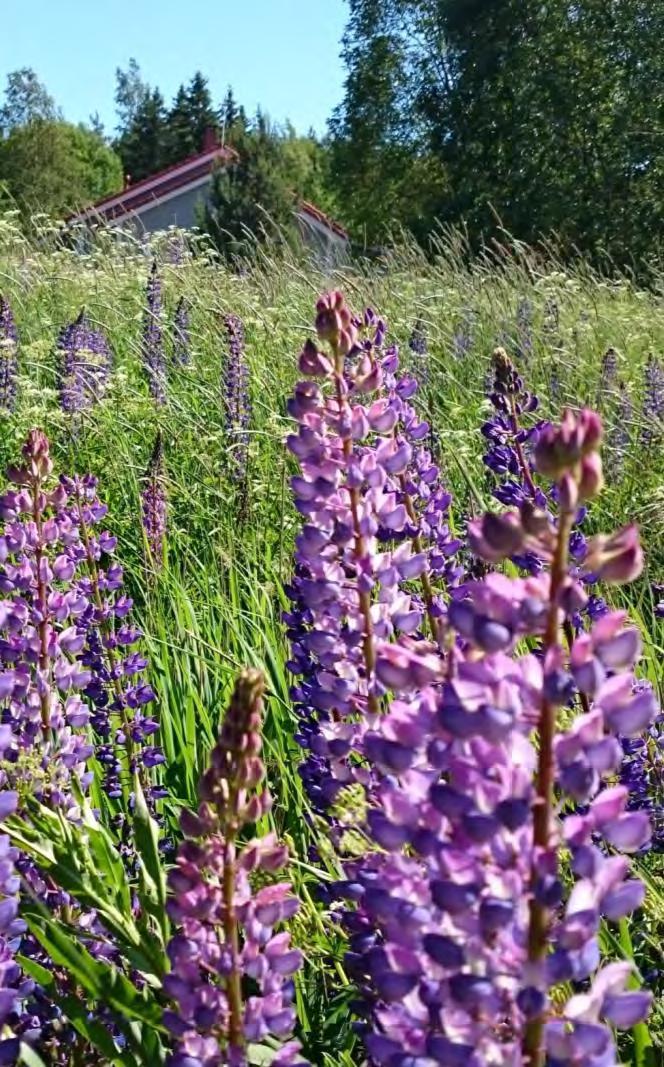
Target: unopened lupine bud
(496,537)
(591,480)
(334,322)
(559,448)
(618,558)
(312,362)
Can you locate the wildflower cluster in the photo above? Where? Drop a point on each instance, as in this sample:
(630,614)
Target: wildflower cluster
(375,552)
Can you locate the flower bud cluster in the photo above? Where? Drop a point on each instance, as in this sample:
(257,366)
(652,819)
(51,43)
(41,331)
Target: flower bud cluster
(225,930)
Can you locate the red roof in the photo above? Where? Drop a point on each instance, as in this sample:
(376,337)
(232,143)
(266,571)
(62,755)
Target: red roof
(310,209)
(157,185)
(178,176)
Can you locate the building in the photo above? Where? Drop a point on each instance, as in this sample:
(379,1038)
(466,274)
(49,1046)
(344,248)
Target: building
(174,196)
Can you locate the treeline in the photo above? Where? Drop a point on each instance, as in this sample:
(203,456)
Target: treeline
(50,166)
(544,120)
(540,118)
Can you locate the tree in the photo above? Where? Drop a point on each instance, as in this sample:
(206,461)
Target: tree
(191,114)
(142,140)
(547,116)
(381,164)
(232,117)
(55,167)
(26,100)
(252,198)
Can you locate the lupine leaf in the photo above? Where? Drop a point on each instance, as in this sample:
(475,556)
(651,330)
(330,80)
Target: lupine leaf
(152,891)
(103,982)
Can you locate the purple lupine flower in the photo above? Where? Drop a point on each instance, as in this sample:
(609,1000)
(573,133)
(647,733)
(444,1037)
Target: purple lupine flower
(642,773)
(607,376)
(653,402)
(225,930)
(181,337)
(375,540)
(42,679)
(14,987)
(154,356)
(84,364)
(619,435)
(236,399)
(116,691)
(461,926)
(524,329)
(8,356)
(462,339)
(154,507)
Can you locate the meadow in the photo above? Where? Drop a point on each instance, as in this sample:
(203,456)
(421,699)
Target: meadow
(214,604)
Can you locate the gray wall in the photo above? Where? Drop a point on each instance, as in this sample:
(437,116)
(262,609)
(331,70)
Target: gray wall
(180,211)
(328,248)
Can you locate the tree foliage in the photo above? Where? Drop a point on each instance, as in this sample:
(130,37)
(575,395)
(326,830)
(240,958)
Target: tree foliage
(55,167)
(548,117)
(253,198)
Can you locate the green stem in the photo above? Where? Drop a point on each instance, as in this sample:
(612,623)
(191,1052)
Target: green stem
(543,807)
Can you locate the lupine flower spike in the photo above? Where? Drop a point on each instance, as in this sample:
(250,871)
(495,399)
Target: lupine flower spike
(154,507)
(225,931)
(236,399)
(8,357)
(84,365)
(154,356)
(464,936)
(181,338)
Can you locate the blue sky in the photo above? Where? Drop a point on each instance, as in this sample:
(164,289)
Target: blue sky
(281,54)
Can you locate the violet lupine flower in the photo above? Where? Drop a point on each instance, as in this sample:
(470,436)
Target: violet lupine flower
(619,435)
(236,398)
(8,356)
(154,507)
(225,930)
(117,691)
(462,339)
(642,773)
(653,402)
(42,680)
(461,926)
(84,364)
(417,343)
(154,356)
(607,377)
(181,337)
(375,533)
(14,988)
(524,329)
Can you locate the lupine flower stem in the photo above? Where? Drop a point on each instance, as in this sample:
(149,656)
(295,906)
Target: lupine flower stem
(518,448)
(533,1046)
